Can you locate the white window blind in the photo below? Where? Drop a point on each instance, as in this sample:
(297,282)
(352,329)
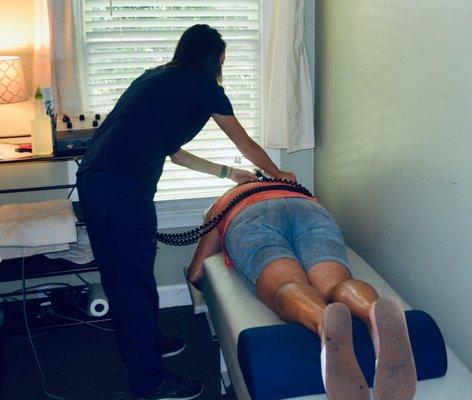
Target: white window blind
(119,44)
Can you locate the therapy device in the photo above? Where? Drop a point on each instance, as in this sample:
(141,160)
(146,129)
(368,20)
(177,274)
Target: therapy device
(72,133)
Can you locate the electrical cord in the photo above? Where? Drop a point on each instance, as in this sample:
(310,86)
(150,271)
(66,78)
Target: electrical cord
(76,304)
(43,379)
(192,236)
(80,321)
(51,311)
(30,337)
(19,336)
(48,285)
(83,279)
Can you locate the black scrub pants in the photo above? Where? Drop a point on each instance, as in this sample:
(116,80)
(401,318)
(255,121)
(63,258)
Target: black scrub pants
(121,223)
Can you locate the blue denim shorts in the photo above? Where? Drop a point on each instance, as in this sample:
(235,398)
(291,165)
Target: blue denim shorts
(282,228)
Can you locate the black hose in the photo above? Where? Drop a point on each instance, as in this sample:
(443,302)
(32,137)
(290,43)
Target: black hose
(192,236)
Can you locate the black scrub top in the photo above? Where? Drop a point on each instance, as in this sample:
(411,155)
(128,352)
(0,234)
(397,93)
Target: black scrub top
(162,109)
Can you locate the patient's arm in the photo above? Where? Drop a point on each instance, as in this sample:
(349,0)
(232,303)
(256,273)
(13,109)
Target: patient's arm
(207,246)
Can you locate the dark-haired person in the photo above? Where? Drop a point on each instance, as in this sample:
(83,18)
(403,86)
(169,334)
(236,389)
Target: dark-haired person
(290,253)
(162,109)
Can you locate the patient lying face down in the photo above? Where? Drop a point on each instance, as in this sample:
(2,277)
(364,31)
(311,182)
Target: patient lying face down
(290,253)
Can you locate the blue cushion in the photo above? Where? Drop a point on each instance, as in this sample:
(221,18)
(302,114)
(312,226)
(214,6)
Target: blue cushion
(283,361)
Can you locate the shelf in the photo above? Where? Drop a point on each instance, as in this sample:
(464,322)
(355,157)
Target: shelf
(51,158)
(39,266)
(64,301)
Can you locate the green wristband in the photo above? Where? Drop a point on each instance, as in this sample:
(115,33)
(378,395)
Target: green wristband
(223,172)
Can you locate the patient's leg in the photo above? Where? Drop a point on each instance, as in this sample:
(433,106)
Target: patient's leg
(395,377)
(283,286)
(334,282)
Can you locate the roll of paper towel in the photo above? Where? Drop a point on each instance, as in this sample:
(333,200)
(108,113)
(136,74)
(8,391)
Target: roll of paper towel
(97,301)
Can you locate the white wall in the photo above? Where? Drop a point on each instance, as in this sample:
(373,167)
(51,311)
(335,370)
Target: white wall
(16,34)
(16,39)
(393,163)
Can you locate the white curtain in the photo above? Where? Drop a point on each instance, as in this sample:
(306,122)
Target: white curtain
(66,56)
(289,121)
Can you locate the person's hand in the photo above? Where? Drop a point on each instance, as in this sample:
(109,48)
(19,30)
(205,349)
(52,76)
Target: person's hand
(289,176)
(195,279)
(198,285)
(242,176)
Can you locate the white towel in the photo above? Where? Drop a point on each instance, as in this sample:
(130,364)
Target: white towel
(289,121)
(37,224)
(79,253)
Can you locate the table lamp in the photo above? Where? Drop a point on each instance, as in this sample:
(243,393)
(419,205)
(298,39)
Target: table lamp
(12,80)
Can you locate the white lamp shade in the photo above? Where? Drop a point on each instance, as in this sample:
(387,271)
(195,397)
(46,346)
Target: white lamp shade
(12,80)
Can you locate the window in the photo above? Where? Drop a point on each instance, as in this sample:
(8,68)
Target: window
(119,44)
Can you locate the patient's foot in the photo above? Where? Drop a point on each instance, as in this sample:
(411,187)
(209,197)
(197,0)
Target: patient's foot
(342,377)
(395,375)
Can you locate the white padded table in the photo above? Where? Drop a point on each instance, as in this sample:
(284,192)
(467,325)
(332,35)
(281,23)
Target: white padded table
(233,308)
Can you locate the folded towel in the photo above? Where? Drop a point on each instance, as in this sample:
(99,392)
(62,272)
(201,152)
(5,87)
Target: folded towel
(37,224)
(78,253)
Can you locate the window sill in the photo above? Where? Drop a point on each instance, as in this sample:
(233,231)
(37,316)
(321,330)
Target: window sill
(181,213)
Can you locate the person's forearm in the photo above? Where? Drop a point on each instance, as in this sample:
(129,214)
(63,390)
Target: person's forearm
(188,160)
(248,147)
(207,246)
(259,157)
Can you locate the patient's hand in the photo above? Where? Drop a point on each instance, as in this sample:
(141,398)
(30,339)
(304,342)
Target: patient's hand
(242,176)
(195,277)
(198,285)
(206,247)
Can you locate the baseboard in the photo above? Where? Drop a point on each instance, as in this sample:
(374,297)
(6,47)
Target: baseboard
(174,296)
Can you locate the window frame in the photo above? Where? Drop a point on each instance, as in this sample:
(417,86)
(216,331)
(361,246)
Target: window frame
(188,212)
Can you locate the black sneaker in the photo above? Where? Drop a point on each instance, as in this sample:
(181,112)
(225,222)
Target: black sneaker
(172,346)
(176,388)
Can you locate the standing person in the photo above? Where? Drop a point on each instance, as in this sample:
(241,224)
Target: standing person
(163,109)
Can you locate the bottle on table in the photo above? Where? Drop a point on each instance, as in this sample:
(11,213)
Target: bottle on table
(41,133)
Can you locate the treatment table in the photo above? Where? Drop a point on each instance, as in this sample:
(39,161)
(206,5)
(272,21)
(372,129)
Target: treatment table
(230,309)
